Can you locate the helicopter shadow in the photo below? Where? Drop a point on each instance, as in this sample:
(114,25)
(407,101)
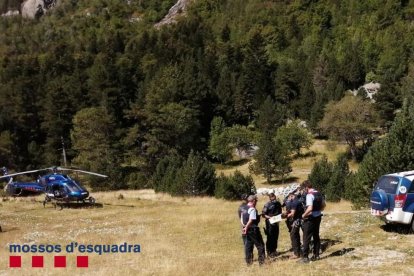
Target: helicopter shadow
(75,205)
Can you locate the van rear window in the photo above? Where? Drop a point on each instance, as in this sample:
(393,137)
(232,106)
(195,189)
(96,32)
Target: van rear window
(388,183)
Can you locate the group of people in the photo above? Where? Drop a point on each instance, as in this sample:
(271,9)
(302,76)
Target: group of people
(303,210)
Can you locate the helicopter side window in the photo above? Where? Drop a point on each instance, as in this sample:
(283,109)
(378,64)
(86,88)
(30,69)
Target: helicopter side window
(57,191)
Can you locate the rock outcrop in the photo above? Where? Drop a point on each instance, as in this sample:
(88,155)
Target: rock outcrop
(29,8)
(175,11)
(280,192)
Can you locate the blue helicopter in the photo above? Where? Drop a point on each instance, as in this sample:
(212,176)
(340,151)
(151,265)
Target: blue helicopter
(56,186)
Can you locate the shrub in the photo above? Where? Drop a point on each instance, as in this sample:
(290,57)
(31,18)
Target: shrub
(232,187)
(321,174)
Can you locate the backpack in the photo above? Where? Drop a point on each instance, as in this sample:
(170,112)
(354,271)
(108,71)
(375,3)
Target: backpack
(299,209)
(244,215)
(245,218)
(319,203)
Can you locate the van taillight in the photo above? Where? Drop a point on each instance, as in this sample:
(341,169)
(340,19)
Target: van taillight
(400,200)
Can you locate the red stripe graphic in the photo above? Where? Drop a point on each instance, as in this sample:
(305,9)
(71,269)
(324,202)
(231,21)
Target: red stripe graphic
(60,261)
(82,261)
(15,261)
(37,261)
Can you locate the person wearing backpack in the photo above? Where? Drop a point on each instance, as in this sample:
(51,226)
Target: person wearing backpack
(312,216)
(242,211)
(252,231)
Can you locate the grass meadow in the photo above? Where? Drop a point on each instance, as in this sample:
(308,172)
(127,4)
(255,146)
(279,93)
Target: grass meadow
(193,236)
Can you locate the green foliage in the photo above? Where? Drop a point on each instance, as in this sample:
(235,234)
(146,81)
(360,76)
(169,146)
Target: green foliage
(137,180)
(321,173)
(270,116)
(232,187)
(271,159)
(240,137)
(224,139)
(165,175)
(337,182)
(196,177)
(295,136)
(6,149)
(351,119)
(219,147)
(393,153)
(91,138)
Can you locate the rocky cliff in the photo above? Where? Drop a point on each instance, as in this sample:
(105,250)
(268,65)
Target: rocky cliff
(175,11)
(27,8)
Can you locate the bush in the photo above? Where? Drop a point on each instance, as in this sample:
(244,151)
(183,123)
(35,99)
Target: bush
(137,180)
(321,174)
(232,187)
(194,176)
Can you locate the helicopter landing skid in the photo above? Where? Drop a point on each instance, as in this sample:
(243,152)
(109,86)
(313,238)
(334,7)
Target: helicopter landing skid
(61,202)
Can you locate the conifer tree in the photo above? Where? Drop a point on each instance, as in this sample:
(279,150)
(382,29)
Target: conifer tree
(321,174)
(336,184)
(196,177)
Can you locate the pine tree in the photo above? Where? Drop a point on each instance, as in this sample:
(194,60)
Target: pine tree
(270,116)
(271,159)
(321,174)
(336,184)
(92,139)
(219,147)
(196,177)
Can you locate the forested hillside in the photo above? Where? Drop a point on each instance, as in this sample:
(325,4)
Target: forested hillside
(122,94)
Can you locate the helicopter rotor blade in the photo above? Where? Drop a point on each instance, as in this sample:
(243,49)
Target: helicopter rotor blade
(81,171)
(20,173)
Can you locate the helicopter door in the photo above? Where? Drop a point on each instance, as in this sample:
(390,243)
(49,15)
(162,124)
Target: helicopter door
(57,191)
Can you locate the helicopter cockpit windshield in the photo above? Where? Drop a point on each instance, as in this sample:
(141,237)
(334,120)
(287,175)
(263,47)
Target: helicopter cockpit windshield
(73,187)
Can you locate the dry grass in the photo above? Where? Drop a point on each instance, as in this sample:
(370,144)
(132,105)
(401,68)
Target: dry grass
(192,236)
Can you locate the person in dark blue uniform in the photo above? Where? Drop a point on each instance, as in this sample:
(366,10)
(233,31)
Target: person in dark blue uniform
(243,208)
(294,211)
(312,221)
(270,209)
(252,231)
